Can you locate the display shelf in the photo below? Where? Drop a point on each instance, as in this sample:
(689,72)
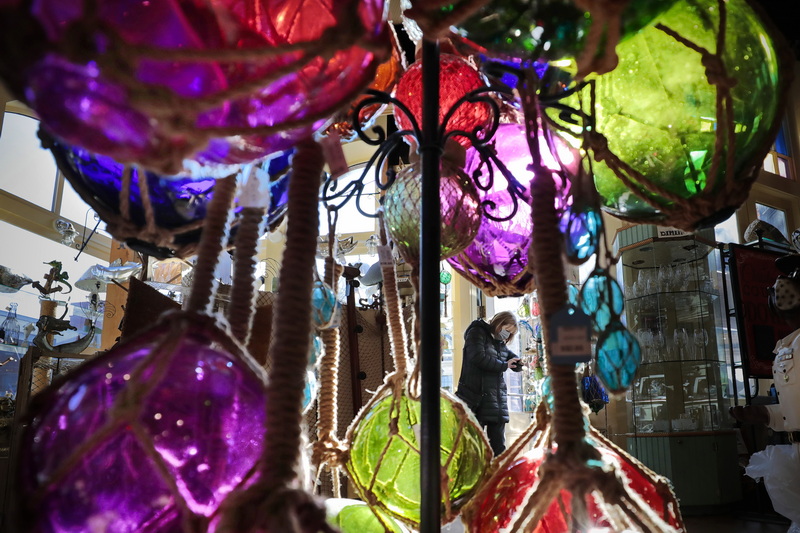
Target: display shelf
(676,422)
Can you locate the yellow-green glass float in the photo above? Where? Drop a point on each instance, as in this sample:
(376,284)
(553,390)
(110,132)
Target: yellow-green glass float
(682,125)
(384,455)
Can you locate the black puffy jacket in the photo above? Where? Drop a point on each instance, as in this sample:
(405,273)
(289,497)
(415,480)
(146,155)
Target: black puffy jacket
(481,385)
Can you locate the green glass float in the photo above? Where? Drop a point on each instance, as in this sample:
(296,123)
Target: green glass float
(384,458)
(664,154)
(355,516)
(547,29)
(461,212)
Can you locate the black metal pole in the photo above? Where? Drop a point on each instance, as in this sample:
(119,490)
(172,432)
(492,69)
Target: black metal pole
(430,343)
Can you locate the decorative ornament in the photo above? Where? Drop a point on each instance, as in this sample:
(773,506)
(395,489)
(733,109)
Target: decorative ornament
(384,463)
(601,298)
(150,435)
(326,308)
(457,78)
(161,216)
(559,29)
(355,516)
(680,128)
(155,433)
(582,226)
(460,210)
(496,261)
(513,498)
(594,395)
(618,357)
(156,83)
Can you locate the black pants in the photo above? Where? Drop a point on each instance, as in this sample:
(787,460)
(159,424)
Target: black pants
(496,431)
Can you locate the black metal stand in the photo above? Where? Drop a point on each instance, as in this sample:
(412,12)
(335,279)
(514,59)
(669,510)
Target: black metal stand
(430,335)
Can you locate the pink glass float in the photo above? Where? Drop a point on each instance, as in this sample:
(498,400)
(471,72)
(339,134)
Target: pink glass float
(497,259)
(149,436)
(457,77)
(460,210)
(157,82)
(508,491)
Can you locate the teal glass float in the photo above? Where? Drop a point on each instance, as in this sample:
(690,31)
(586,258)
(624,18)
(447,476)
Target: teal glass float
(664,154)
(461,212)
(601,298)
(325,307)
(546,29)
(618,358)
(384,459)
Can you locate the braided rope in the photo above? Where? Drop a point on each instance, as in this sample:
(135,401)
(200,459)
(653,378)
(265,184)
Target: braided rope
(271,503)
(240,311)
(328,449)
(606,29)
(214,230)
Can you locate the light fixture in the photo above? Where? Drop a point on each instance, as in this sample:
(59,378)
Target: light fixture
(67,231)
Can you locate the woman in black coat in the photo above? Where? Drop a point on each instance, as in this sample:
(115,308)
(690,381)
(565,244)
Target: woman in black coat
(481,385)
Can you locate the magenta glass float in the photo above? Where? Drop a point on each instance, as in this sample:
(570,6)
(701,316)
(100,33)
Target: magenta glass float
(497,259)
(158,82)
(149,436)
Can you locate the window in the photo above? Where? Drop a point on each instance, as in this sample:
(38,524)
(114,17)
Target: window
(34,195)
(774,216)
(29,171)
(778,160)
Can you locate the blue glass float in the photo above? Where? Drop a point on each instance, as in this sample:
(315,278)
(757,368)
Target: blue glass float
(326,308)
(573,295)
(582,227)
(601,298)
(594,395)
(179,202)
(618,357)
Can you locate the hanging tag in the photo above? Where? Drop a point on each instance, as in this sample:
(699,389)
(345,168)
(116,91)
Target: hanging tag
(570,336)
(334,155)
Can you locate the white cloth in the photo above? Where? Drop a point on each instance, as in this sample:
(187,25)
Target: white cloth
(785,416)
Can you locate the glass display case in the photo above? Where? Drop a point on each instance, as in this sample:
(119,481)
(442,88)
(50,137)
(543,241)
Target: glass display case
(676,410)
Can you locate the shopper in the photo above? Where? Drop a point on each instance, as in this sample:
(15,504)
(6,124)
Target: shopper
(481,384)
(784,299)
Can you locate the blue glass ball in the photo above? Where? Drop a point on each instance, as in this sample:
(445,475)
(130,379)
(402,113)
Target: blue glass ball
(601,298)
(618,357)
(325,312)
(582,227)
(179,202)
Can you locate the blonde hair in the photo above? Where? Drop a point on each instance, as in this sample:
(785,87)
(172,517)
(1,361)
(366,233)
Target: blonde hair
(503,318)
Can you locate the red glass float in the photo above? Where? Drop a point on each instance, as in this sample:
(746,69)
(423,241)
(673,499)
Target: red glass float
(222,82)
(509,489)
(457,77)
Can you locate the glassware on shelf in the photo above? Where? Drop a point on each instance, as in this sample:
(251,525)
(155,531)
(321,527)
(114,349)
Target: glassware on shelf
(10,328)
(700,340)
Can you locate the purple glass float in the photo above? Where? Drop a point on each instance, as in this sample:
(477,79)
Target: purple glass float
(150,436)
(159,82)
(179,202)
(497,259)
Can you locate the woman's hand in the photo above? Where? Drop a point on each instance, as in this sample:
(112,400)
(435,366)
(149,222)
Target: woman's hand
(514,363)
